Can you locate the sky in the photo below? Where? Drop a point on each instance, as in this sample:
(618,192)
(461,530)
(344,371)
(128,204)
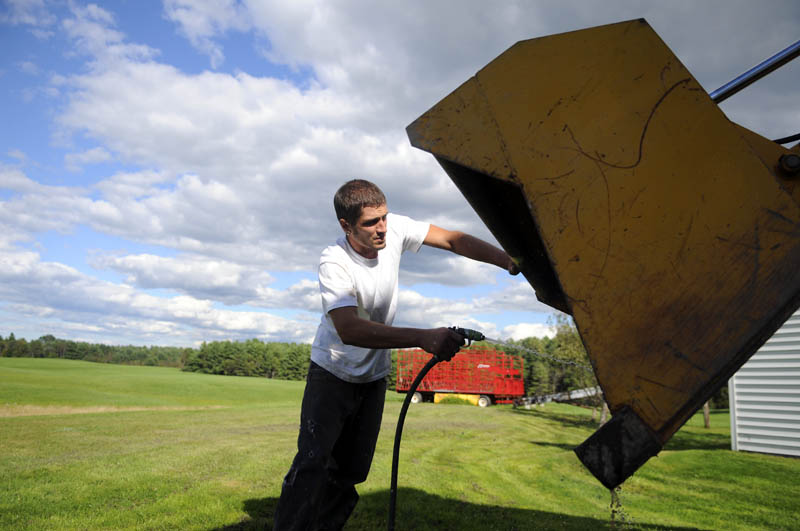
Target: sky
(167,168)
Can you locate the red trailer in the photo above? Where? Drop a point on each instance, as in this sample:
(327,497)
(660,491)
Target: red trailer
(491,376)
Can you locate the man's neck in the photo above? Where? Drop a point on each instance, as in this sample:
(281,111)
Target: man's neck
(366,252)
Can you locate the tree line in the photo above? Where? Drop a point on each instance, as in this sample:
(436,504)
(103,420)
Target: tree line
(286,361)
(289,361)
(51,347)
(551,364)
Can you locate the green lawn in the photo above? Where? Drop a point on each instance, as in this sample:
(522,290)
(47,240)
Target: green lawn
(92,446)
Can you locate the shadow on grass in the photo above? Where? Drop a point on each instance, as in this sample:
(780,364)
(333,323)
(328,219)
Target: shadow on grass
(690,440)
(563,446)
(419,510)
(684,439)
(260,512)
(577,421)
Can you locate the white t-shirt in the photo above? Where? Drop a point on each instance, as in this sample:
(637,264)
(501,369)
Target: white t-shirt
(348,279)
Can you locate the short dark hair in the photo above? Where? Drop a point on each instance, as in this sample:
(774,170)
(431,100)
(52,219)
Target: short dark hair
(353,195)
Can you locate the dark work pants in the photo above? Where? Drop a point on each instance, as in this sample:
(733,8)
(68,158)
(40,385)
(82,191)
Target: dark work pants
(339,425)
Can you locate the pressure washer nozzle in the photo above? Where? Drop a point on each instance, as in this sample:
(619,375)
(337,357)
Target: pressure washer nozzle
(469,334)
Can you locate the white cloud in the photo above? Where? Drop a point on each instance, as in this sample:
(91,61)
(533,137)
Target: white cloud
(92,29)
(201,21)
(515,296)
(231,127)
(29,68)
(59,292)
(67,297)
(38,208)
(441,267)
(526,330)
(34,13)
(124,187)
(207,279)
(259,161)
(74,161)
(425,312)
(17,154)
(14,179)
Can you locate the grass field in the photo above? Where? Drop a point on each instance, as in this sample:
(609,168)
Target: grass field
(92,446)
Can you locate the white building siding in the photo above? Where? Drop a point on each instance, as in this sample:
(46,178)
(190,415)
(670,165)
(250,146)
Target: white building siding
(765,396)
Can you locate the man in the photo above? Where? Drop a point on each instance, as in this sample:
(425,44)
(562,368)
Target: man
(351,354)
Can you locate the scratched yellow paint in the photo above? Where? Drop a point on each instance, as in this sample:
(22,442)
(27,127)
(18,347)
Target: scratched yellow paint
(673,238)
(769,152)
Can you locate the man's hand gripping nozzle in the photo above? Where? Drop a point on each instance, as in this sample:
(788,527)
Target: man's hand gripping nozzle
(468,334)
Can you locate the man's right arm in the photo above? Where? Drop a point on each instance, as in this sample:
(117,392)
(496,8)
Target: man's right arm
(354,330)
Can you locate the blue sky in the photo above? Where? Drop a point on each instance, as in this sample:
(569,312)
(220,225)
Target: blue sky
(167,168)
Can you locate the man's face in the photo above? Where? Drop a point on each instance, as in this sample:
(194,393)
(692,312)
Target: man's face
(368,234)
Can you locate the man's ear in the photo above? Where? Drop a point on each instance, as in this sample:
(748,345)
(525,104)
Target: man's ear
(345,225)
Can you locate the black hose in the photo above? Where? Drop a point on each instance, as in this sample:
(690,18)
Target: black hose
(787,139)
(399,433)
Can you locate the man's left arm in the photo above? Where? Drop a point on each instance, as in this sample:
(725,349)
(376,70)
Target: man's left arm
(470,247)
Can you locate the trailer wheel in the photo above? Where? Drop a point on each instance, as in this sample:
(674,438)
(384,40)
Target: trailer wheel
(484,401)
(416,398)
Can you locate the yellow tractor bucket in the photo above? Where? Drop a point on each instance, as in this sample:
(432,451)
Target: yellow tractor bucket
(670,234)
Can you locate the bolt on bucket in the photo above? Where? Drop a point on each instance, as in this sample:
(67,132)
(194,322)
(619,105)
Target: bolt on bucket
(632,203)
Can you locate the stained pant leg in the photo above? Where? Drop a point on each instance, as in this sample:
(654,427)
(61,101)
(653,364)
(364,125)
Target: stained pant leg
(322,417)
(353,454)
(339,424)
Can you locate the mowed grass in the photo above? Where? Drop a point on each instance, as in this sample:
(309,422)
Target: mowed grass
(93,446)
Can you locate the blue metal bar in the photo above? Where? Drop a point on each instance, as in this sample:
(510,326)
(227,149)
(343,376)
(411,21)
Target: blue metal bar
(757,72)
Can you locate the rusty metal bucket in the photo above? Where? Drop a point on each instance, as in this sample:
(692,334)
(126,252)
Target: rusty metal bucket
(630,202)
